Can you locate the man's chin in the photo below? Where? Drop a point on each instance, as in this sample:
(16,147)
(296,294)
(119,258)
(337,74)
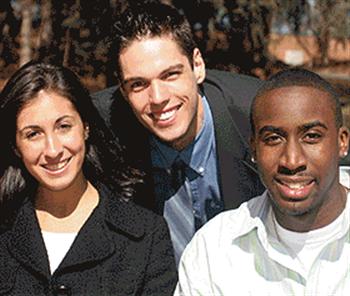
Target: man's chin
(294,210)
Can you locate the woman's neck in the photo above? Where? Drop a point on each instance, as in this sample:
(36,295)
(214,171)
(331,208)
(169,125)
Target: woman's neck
(66,210)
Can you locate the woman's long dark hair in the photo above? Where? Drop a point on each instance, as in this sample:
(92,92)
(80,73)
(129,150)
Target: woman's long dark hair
(104,161)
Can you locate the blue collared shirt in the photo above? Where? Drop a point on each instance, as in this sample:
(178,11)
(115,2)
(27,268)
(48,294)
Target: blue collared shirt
(200,157)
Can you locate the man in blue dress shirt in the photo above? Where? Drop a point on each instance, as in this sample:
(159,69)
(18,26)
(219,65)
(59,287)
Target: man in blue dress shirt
(185,127)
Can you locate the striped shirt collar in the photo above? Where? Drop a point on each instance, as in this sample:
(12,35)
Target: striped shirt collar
(259,210)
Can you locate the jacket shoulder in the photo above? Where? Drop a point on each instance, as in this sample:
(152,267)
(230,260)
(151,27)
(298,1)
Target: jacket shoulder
(103,101)
(231,80)
(235,91)
(129,217)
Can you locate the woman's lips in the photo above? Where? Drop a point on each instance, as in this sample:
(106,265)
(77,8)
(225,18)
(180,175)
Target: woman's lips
(56,168)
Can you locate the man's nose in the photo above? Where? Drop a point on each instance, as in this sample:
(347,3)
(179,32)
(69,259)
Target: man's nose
(158,93)
(293,158)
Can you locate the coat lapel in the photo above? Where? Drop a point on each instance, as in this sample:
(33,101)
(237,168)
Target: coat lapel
(26,243)
(232,149)
(95,241)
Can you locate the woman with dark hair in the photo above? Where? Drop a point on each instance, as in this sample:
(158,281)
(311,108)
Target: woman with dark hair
(67,227)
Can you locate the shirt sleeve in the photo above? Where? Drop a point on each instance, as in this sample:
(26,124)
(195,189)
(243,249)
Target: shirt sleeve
(194,269)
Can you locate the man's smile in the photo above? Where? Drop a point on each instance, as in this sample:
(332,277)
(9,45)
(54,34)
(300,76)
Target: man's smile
(165,115)
(295,188)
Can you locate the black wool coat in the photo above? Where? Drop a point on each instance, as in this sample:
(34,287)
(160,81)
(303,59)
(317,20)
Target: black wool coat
(122,249)
(229,96)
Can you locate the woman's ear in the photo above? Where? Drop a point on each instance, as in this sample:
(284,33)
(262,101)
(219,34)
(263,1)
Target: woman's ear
(16,151)
(86,131)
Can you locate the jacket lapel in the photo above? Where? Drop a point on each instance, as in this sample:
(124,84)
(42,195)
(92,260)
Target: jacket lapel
(26,244)
(232,149)
(94,242)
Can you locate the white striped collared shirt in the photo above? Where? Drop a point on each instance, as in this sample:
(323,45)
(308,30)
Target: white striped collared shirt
(236,254)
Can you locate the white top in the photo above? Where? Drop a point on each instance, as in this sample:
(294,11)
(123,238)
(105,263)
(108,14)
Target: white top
(237,253)
(344,176)
(304,247)
(57,246)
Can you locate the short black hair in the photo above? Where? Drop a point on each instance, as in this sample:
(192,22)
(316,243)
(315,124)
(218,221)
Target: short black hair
(298,77)
(151,19)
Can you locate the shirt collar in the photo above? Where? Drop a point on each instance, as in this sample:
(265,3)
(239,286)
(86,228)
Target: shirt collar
(194,155)
(259,212)
(257,209)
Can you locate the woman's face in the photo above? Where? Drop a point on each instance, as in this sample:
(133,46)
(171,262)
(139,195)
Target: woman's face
(50,139)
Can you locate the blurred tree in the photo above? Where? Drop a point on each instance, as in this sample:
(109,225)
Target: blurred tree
(45,31)
(246,25)
(9,29)
(26,10)
(323,19)
(97,21)
(249,23)
(232,34)
(328,20)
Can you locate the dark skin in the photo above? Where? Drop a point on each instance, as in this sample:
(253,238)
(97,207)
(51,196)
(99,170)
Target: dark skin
(297,146)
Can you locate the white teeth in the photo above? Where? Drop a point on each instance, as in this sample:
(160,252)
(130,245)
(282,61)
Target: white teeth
(56,166)
(165,115)
(295,186)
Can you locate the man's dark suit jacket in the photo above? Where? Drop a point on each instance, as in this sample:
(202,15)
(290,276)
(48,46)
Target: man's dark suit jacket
(229,96)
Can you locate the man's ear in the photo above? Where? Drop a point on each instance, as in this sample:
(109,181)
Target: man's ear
(252,149)
(198,66)
(343,141)
(122,91)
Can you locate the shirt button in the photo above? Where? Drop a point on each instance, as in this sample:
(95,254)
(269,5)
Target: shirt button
(201,169)
(61,290)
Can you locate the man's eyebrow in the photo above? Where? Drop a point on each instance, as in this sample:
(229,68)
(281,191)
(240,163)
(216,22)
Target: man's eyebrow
(176,67)
(313,124)
(131,79)
(272,129)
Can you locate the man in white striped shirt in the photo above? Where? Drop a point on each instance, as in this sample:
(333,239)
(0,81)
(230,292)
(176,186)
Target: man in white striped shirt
(295,238)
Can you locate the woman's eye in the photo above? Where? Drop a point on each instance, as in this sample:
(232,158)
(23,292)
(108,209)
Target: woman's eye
(65,126)
(31,135)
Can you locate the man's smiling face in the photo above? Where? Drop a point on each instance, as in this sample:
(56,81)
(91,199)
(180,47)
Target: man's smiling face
(161,86)
(297,145)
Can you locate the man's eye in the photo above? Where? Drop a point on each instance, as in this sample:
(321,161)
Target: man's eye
(171,75)
(136,86)
(272,140)
(312,137)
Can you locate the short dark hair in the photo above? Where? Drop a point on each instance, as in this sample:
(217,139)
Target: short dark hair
(103,162)
(143,20)
(298,77)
